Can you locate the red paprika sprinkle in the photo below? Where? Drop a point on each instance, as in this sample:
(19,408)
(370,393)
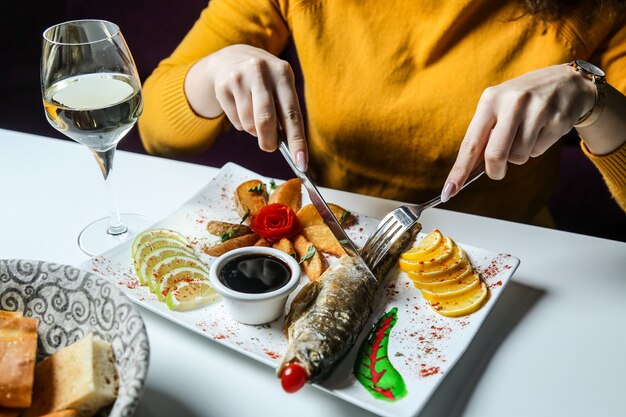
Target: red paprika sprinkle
(425,371)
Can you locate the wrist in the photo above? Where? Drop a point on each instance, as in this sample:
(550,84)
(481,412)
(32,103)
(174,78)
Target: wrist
(200,89)
(587,96)
(589,117)
(606,135)
(594,85)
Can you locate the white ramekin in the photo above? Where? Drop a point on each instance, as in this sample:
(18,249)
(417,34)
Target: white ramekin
(254,308)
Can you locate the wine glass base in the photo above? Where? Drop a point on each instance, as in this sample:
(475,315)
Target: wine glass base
(94,239)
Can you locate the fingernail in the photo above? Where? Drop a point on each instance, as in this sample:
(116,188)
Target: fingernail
(301,161)
(448,191)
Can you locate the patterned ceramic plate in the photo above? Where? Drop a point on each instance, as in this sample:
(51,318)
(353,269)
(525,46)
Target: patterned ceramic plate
(413,347)
(71,303)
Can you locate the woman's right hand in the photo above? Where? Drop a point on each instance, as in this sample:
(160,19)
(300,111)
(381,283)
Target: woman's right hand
(256,91)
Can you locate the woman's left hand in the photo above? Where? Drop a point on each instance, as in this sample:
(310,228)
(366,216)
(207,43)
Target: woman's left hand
(520,119)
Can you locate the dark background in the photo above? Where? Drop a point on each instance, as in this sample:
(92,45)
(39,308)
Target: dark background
(153,29)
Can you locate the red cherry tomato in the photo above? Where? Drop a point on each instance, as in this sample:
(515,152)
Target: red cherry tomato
(293,377)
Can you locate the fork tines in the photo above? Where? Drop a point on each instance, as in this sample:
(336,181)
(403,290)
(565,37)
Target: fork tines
(386,235)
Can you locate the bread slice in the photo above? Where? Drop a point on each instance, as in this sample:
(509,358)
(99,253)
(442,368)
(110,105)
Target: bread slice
(15,412)
(81,377)
(62,413)
(4,313)
(9,412)
(18,347)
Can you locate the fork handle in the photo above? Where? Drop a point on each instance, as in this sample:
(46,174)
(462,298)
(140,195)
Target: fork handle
(473,176)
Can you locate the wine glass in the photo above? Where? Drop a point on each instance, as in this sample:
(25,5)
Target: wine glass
(92,94)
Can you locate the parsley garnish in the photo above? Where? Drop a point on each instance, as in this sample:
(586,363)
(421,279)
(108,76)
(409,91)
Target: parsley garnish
(259,189)
(308,255)
(273,185)
(245,216)
(344,216)
(344,241)
(226,236)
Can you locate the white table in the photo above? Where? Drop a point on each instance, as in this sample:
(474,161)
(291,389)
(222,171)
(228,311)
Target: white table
(554,345)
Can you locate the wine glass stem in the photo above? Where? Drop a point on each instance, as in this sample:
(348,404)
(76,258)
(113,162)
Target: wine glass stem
(105,161)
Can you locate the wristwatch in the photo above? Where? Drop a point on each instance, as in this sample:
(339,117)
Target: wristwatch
(598,78)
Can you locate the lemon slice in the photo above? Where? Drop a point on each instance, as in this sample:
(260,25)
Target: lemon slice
(428,244)
(155,243)
(147,264)
(152,257)
(151,245)
(431,282)
(443,273)
(151,234)
(452,290)
(443,262)
(169,263)
(425,259)
(453,268)
(189,295)
(176,275)
(462,305)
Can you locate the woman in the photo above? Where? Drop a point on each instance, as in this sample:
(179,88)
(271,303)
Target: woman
(405,99)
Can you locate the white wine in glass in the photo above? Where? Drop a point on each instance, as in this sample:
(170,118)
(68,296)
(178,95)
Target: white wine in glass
(92,94)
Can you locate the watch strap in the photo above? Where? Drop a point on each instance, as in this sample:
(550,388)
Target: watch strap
(599,81)
(592,115)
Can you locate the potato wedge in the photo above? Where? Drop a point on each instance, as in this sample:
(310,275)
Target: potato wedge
(263,242)
(218,228)
(308,216)
(250,200)
(288,193)
(315,266)
(323,239)
(286,246)
(235,243)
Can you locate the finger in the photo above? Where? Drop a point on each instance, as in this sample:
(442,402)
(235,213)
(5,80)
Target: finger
(264,113)
(499,146)
(534,122)
(470,151)
(545,140)
(556,127)
(226,99)
(290,116)
(243,103)
(524,141)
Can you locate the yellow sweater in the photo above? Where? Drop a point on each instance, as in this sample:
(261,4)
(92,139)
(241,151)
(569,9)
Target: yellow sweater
(391,87)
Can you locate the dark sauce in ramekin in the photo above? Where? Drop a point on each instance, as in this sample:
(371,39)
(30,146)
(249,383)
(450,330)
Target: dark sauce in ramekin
(255,274)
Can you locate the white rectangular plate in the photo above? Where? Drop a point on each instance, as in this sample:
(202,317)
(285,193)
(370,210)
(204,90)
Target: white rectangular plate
(423,346)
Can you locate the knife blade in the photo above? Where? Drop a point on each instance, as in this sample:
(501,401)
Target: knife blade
(322,208)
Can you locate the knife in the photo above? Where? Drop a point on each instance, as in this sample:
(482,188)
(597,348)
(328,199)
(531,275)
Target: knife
(321,206)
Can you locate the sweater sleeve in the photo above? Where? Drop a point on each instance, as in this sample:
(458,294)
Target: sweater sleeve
(613,168)
(168,125)
(611,57)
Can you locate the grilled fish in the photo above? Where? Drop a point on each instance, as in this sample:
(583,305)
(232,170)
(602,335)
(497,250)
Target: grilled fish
(327,316)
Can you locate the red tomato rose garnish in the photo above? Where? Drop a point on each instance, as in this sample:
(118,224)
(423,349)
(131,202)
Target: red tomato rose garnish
(275,221)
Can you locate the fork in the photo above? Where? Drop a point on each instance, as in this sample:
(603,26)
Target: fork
(399,221)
